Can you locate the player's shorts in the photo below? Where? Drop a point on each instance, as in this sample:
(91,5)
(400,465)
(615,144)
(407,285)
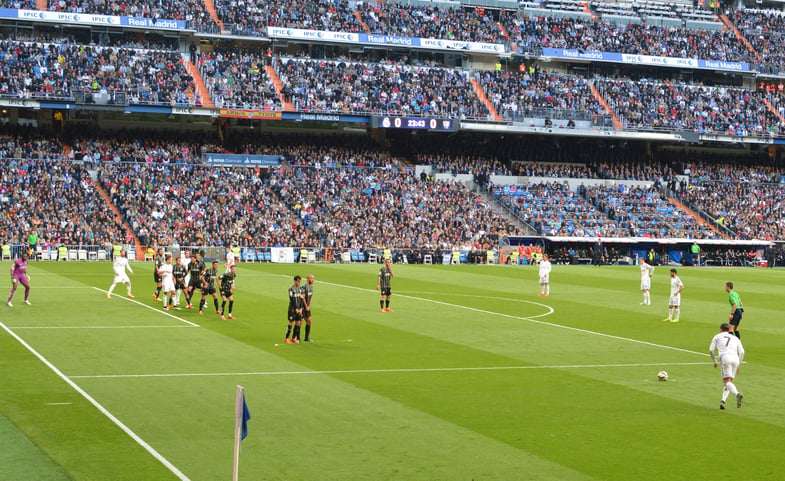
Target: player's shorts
(675,301)
(195,282)
(208,291)
(156,276)
(167,285)
(20,278)
(645,284)
(730,365)
(736,319)
(306,313)
(545,279)
(386,291)
(118,278)
(226,294)
(294,315)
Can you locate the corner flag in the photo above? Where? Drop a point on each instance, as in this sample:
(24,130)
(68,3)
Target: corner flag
(246,416)
(241,417)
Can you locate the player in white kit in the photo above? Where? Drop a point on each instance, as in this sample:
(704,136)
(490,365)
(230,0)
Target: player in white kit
(674,305)
(545,274)
(119,265)
(646,272)
(731,353)
(167,282)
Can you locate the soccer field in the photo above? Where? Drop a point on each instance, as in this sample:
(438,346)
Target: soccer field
(472,377)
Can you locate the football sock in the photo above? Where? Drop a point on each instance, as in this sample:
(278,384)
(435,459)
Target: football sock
(381,303)
(111,289)
(732,388)
(223,306)
(288,331)
(676,313)
(737,333)
(670,313)
(548,289)
(387,303)
(27,294)
(129,289)
(215,301)
(725,393)
(11,295)
(307,331)
(296,333)
(157,291)
(231,304)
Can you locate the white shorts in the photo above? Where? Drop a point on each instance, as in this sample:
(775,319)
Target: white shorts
(118,278)
(167,285)
(545,279)
(675,301)
(729,365)
(645,284)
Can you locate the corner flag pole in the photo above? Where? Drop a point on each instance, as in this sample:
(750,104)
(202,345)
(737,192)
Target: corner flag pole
(241,416)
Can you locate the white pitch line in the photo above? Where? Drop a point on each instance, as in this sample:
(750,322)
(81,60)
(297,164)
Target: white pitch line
(149,307)
(385,371)
(171,467)
(103,327)
(549,308)
(530,319)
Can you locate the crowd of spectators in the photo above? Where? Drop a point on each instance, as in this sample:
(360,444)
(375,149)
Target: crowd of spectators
(653,104)
(763,30)
(57,201)
(237,79)
(355,207)
(516,95)
(36,70)
(196,205)
(193,12)
(383,87)
(245,17)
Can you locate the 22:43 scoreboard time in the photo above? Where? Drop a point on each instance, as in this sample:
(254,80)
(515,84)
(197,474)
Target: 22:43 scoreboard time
(415,123)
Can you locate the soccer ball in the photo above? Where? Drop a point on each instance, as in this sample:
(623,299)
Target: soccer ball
(662,375)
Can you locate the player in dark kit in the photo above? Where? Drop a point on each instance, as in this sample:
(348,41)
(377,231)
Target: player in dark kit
(307,298)
(160,259)
(178,272)
(295,315)
(227,286)
(208,288)
(196,281)
(383,285)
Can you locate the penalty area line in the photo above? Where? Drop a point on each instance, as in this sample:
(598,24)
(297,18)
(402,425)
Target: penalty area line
(150,307)
(383,371)
(141,442)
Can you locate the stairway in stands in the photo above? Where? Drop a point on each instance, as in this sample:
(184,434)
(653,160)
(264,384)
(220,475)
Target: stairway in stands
(210,5)
(362,22)
(137,245)
(683,207)
(201,88)
(287,105)
(740,37)
(598,96)
(485,100)
(42,5)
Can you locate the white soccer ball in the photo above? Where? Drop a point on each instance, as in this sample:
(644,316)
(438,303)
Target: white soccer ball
(662,375)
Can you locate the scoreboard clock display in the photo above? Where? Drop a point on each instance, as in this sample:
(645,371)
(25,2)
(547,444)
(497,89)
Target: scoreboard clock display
(414,123)
(771,85)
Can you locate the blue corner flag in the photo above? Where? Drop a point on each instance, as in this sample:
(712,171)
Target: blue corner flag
(246,417)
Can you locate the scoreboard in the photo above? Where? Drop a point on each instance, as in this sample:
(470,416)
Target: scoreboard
(415,123)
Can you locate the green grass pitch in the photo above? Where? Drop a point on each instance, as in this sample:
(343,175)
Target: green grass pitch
(472,377)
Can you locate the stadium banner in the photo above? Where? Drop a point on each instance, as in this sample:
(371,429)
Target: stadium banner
(381,39)
(244,160)
(21,103)
(146,109)
(250,114)
(92,19)
(162,23)
(195,111)
(359,119)
(282,254)
(596,56)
